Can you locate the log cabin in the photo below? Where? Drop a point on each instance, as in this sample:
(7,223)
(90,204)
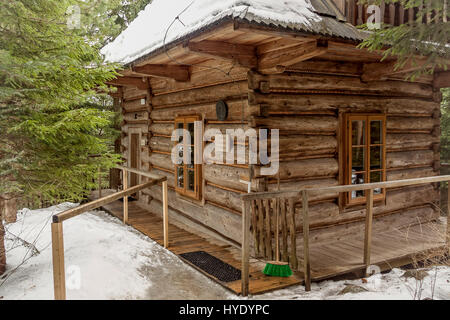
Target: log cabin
(343,118)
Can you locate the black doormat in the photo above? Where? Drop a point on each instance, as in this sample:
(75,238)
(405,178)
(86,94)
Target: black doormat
(213,266)
(130,199)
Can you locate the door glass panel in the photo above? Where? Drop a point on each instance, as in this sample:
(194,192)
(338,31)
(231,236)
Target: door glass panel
(180,177)
(376,159)
(358,178)
(191,180)
(376,176)
(180,126)
(358,159)
(358,133)
(191,131)
(376,132)
(191,152)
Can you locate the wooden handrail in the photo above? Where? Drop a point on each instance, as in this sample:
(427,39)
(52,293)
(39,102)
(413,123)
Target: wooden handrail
(303,194)
(140,172)
(345,188)
(59,281)
(60,217)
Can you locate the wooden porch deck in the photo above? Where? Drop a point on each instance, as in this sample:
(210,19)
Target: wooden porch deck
(390,249)
(182,241)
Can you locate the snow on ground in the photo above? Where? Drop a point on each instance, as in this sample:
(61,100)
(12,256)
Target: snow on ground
(107,260)
(114,262)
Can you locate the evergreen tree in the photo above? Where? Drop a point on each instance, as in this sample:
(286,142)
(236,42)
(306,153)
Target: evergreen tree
(428,35)
(51,119)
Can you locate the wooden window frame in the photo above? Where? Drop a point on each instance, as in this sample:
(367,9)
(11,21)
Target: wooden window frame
(367,117)
(196,194)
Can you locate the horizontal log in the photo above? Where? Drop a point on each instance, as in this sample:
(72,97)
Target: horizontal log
(327,67)
(226,176)
(409,158)
(162,129)
(131,93)
(223,197)
(161,144)
(412,173)
(308,124)
(196,96)
(203,74)
(235,111)
(297,185)
(402,123)
(282,104)
(397,142)
(305,168)
(292,81)
(224,222)
(130,117)
(162,161)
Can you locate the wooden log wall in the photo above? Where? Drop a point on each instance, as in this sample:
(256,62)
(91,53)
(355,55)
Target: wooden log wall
(307,104)
(219,210)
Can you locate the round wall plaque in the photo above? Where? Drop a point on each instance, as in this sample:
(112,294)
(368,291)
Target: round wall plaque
(222,110)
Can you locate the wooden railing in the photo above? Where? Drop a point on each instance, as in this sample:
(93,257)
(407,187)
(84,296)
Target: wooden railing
(391,13)
(58,219)
(258,210)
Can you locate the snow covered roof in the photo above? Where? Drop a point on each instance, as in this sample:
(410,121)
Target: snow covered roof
(157,25)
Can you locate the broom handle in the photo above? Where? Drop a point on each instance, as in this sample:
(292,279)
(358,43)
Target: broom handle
(277,209)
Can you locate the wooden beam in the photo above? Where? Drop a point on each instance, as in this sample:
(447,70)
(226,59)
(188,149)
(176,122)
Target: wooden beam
(441,79)
(177,72)
(244,55)
(306,260)
(165,214)
(125,198)
(368,228)
(245,248)
(277,61)
(103,201)
(377,71)
(59,275)
(140,83)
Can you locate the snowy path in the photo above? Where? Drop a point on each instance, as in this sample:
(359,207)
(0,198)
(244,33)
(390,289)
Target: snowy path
(107,260)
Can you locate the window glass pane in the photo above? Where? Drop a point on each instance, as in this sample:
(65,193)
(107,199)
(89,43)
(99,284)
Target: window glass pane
(376,132)
(180,177)
(191,150)
(376,157)
(358,159)
(191,180)
(358,178)
(191,131)
(180,153)
(358,132)
(376,177)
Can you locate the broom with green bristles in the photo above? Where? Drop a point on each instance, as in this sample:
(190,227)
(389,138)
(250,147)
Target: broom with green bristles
(277,268)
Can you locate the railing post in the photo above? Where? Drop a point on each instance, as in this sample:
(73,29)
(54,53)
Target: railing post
(448,215)
(59,276)
(368,227)
(306,261)
(125,199)
(245,247)
(165,214)
(99,182)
